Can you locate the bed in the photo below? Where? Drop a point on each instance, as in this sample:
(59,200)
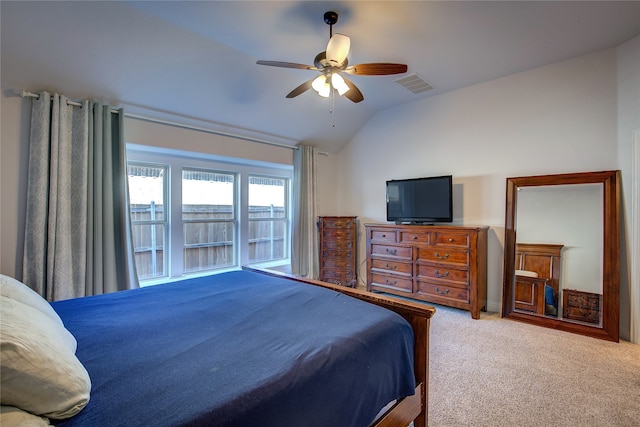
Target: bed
(537,278)
(249,348)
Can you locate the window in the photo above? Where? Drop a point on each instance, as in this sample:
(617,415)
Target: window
(209,219)
(147,192)
(268,218)
(196,215)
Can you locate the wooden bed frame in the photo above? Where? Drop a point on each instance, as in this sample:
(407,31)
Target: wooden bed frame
(544,260)
(412,408)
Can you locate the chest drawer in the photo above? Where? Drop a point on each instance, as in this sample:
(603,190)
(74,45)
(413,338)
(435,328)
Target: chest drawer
(403,252)
(340,263)
(383,236)
(337,222)
(338,244)
(392,266)
(443,255)
(338,252)
(443,274)
(443,291)
(414,237)
(337,233)
(392,282)
(450,238)
(583,300)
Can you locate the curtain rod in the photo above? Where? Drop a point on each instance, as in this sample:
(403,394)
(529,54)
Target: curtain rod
(26,94)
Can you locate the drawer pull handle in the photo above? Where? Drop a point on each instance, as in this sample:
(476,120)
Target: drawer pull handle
(415,237)
(446,274)
(446,291)
(392,251)
(390,283)
(437,255)
(392,268)
(384,235)
(450,239)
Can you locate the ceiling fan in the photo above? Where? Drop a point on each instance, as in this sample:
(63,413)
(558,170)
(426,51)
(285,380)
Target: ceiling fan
(332,62)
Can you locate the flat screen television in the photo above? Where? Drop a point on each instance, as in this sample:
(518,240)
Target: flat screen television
(420,200)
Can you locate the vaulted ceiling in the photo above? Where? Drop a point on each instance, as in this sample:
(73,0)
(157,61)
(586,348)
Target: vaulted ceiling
(195,62)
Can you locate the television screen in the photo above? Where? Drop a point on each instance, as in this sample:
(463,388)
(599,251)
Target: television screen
(420,200)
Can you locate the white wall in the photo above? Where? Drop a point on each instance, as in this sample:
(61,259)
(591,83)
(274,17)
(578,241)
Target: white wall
(559,118)
(628,127)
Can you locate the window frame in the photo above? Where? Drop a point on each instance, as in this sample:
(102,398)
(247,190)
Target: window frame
(175,161)
(233,220)
(286,219)
(166,213)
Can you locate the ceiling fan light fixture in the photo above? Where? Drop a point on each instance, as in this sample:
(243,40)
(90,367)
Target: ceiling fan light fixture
(334,61)
(338,82)
(319,82)
(325,91)
(322,86)
(338,49)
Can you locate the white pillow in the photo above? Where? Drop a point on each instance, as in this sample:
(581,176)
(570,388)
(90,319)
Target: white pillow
(16,290)
(525,273)
(10,417)
(38,372)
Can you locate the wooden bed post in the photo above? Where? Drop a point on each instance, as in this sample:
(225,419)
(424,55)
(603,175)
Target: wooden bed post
(420,327)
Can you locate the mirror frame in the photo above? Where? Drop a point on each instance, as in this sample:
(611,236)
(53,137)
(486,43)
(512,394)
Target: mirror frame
(610,327)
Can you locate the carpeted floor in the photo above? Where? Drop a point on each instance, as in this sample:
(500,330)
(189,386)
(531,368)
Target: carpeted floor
(498,372)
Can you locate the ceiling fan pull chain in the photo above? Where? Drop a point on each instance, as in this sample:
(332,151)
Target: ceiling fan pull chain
(333,105)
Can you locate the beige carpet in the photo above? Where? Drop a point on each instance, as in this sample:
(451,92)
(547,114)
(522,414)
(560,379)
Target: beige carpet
(498,372)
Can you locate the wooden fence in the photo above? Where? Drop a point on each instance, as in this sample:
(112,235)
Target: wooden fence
(208,244)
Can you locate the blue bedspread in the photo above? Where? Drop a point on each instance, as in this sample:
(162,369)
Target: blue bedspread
(237,349)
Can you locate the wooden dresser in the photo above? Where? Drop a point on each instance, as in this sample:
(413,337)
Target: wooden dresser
(581,306)
(338,242)
(441,264)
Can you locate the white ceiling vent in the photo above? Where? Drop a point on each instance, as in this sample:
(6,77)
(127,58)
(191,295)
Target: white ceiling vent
(415,84)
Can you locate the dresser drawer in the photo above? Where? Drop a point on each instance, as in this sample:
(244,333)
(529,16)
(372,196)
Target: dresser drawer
(392,266)
(443,255)
(338,244)
(336,273)
(383,236)
(414,237)
(403,252)
(583,300)
(443,274)
(443,291)
(338,252)
(337,233)
(450,238)
(343,263)
(338,222)
(392,282)
(582,314)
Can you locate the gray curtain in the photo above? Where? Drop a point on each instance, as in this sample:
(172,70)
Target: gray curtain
(304,245)
(78,230)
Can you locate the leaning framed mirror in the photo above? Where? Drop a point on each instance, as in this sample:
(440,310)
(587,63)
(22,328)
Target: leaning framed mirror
(562,252)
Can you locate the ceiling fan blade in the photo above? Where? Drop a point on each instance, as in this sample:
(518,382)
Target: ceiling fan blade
(376,69)
(301,89)
(338,49)
(286,65)
(353,93)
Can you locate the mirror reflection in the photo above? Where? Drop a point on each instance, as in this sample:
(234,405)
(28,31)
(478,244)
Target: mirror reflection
(562,252)
(559,231)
